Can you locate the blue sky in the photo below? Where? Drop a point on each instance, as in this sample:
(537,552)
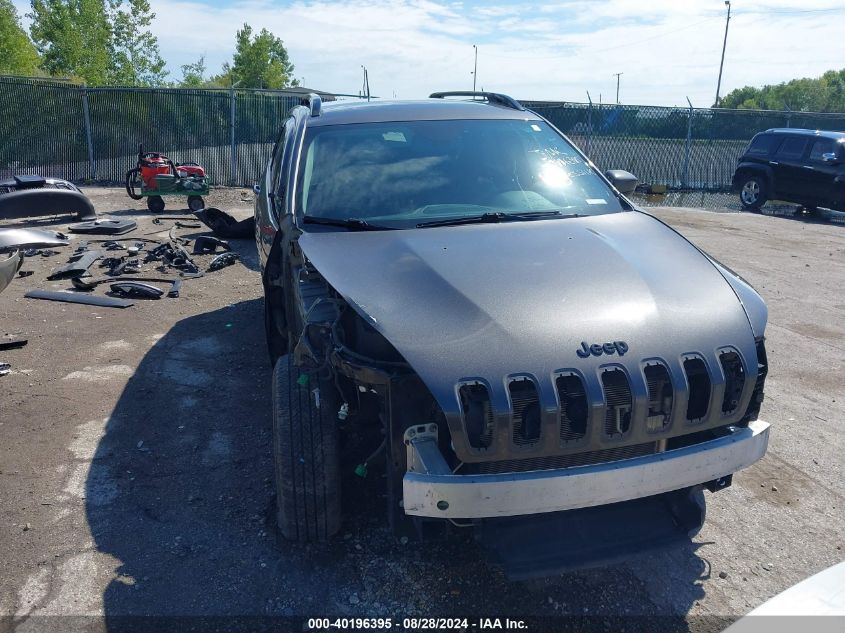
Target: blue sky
(666,49)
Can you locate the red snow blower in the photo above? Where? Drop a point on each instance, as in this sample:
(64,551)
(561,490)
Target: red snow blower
(156,176)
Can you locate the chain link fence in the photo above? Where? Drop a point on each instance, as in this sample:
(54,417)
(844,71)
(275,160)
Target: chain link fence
(681,148)
(92,134)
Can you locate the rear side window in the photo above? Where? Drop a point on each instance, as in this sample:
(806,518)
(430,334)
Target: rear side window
(822,146)
(762,145)
(792,147)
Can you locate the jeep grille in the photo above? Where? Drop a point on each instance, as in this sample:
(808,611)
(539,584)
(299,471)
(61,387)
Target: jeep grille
(634,410)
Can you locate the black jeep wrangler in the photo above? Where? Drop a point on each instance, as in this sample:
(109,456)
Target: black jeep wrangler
(805,167)
(530,354)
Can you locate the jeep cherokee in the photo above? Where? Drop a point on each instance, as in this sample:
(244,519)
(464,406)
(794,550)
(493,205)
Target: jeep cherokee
(544,361)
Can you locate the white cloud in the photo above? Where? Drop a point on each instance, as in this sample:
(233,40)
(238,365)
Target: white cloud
(667,49)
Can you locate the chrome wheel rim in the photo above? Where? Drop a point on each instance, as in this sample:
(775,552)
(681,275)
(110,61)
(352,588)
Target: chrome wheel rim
(750,192)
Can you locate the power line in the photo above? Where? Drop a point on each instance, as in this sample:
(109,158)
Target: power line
(665,33)
(787,11)
(654,37)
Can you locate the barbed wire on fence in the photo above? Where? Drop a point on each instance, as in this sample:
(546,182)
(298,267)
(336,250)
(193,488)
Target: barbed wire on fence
(71,131)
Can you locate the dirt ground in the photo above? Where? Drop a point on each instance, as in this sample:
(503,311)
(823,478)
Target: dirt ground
(136,473)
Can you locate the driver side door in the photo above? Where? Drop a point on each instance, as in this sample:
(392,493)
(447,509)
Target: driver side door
(268,205)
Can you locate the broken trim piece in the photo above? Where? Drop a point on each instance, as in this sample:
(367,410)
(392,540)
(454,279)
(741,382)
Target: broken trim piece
(205,244)
(224,225)
(106,226)
(74,297)
(89,283)
(15,343)
(30,238)
(223,260)
(77,265)
(136,289)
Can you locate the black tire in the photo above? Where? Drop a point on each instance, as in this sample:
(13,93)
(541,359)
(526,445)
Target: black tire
(155,204)
(305,452)
(753,193)
(196,203)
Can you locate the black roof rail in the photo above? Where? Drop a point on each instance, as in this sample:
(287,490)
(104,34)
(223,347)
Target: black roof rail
(313,102)
(492,97)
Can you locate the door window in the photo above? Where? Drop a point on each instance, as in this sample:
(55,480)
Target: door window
(792,147)
(822,146)
(762,145)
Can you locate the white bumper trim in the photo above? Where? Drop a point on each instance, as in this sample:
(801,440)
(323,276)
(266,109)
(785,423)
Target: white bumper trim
(513,494)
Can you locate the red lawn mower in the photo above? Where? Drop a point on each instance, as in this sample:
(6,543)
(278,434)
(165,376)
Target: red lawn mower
(156,176)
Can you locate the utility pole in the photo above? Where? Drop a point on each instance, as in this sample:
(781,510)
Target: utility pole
(617,75)
(234,177)
(475,68)
(724,45)
(366,87)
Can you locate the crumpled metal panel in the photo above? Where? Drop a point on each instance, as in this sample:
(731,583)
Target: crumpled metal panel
(30,238)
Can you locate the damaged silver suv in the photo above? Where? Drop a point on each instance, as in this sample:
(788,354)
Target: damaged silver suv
(545,362)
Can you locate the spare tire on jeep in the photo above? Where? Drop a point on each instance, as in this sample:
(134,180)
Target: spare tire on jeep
(305,453)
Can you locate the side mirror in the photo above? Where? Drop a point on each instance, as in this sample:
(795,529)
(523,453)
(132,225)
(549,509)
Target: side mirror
(830,157)
(624,181)
(256,189)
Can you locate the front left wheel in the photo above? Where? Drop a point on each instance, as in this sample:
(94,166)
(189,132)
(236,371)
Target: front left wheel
(305,453)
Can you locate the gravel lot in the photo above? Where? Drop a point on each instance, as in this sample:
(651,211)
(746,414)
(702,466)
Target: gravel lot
(135,465)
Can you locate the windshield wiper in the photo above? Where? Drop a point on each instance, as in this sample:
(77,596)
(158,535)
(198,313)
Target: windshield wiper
(496,216)
(353,224)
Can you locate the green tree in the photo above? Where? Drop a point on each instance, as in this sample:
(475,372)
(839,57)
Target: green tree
(259,62)
(821,94)
(74,38)
(98,41)
(193,75)
(17,52)
(137,61)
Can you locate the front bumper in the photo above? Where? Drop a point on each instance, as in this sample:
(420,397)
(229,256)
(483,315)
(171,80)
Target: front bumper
(431,490)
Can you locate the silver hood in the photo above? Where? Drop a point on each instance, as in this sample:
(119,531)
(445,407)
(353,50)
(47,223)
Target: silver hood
(493,301)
